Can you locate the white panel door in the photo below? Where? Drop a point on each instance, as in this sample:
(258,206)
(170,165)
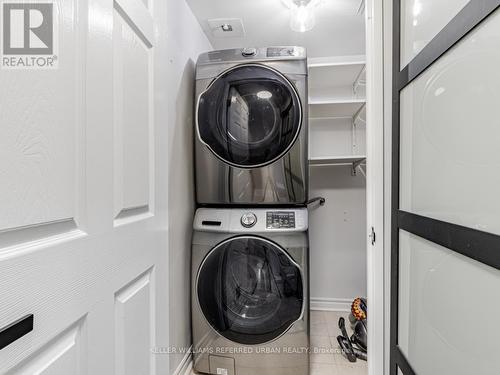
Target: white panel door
(83,244)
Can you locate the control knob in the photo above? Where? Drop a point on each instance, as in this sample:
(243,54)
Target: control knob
(248,220)
(248,52)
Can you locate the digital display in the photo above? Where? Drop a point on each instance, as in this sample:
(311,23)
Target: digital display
(280,52)
(280,220)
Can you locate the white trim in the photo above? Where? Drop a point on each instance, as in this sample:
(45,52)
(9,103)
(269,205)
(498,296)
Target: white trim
(388,63)
(318,62)
(331,304)
(375,184)
(186,364)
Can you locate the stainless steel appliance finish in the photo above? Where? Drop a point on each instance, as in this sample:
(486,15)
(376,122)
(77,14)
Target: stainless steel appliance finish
(250,309)
(251,136)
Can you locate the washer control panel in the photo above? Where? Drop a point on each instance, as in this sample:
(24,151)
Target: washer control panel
(248,220)
(280,220)
(254,220)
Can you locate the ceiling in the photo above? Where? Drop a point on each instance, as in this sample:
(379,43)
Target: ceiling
(339,29)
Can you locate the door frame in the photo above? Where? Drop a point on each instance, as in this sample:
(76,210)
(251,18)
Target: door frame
(469,242)
(375,187)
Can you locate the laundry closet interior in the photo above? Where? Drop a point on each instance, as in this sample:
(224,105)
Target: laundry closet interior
(332,36)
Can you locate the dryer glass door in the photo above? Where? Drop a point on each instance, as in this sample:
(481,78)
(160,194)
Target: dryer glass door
(250,290)
(249,116)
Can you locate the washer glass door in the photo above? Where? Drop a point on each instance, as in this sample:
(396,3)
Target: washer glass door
(250,290)
(249,116)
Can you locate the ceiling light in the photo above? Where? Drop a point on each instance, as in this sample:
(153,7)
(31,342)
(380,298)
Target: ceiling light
(302,14)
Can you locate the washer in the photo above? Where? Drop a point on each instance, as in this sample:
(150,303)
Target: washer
(251,121)
(250,291)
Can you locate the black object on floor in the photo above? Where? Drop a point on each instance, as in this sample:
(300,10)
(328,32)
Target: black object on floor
(345,343)
(347,348)
(360,336)
(356,346)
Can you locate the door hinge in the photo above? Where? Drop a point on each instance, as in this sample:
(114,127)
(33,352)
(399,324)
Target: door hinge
(373,236)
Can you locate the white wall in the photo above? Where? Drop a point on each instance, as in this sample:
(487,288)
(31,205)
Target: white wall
(337,237)
(186,41)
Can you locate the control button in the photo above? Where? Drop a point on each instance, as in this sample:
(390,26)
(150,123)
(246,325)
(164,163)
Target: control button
(248,220)
(248,52)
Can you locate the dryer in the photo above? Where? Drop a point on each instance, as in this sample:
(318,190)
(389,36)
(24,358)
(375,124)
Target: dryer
(251,138)
(250,291)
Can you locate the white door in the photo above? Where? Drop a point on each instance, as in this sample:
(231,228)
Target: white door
(446,209)
(83,241)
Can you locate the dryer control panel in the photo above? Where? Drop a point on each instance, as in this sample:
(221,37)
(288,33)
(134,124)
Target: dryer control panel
(258,220)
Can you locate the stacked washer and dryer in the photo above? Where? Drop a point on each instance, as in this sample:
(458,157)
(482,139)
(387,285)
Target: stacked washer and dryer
(250,267)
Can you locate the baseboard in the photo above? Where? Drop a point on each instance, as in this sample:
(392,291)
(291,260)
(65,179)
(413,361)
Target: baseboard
(186,365)
(331,304)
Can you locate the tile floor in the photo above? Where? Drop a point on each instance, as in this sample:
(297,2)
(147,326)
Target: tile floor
(329,360)
(324,332)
